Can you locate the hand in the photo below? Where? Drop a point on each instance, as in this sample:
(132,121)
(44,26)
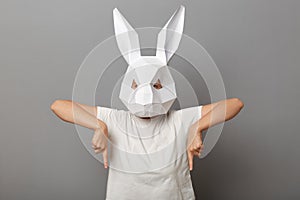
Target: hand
(99,143)
(195,145)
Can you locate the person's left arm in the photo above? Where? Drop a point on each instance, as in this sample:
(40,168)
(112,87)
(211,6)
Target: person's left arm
(218,112)
(212,114)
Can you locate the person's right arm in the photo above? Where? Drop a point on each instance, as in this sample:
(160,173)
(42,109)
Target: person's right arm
(77,113)
(86,116)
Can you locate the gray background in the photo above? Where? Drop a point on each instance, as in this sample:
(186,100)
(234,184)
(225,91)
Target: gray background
(255,44)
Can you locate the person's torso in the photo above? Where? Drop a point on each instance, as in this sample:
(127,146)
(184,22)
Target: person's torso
(148,160)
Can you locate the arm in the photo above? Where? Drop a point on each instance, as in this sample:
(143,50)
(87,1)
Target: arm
(211,114)
(218,112)
(77,113)
(86,116)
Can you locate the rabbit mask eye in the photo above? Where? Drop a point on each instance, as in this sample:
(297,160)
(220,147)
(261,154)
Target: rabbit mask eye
(134,85)
(157,85)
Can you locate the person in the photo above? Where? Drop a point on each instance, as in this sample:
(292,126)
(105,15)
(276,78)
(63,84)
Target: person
(88,116)
(152,147)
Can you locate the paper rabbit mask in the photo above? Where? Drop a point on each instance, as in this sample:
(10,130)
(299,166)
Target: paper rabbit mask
(148,88)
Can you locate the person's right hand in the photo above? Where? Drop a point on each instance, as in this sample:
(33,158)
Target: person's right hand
(99,143)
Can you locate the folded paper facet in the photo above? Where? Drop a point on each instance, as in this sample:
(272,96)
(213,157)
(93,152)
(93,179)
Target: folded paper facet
(155,90)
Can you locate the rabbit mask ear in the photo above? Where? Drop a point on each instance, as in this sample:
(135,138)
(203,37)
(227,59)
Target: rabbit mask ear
(127,38)
(169,37)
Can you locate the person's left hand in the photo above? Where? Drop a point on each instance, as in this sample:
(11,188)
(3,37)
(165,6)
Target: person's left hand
(195,145)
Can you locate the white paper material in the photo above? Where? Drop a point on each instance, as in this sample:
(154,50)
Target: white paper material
(148,88)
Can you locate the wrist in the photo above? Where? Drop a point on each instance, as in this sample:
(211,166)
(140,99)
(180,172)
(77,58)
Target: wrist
(101,125)
(200,127)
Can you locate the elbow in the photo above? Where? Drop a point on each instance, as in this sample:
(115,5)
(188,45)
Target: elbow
(239,103)
(55,105)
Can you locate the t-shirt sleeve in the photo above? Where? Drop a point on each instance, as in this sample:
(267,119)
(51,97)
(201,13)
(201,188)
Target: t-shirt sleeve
(103,113)
(113,118)
(187,116)
(110,116)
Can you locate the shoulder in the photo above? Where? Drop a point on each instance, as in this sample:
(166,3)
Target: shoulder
(186,116)
(108,114)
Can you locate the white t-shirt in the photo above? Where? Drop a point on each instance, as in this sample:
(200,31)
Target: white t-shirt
(147,157)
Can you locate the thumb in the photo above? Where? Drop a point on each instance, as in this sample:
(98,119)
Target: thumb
(105,158)
(190,158)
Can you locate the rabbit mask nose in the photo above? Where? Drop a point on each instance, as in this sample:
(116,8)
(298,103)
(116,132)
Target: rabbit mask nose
(143,95)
